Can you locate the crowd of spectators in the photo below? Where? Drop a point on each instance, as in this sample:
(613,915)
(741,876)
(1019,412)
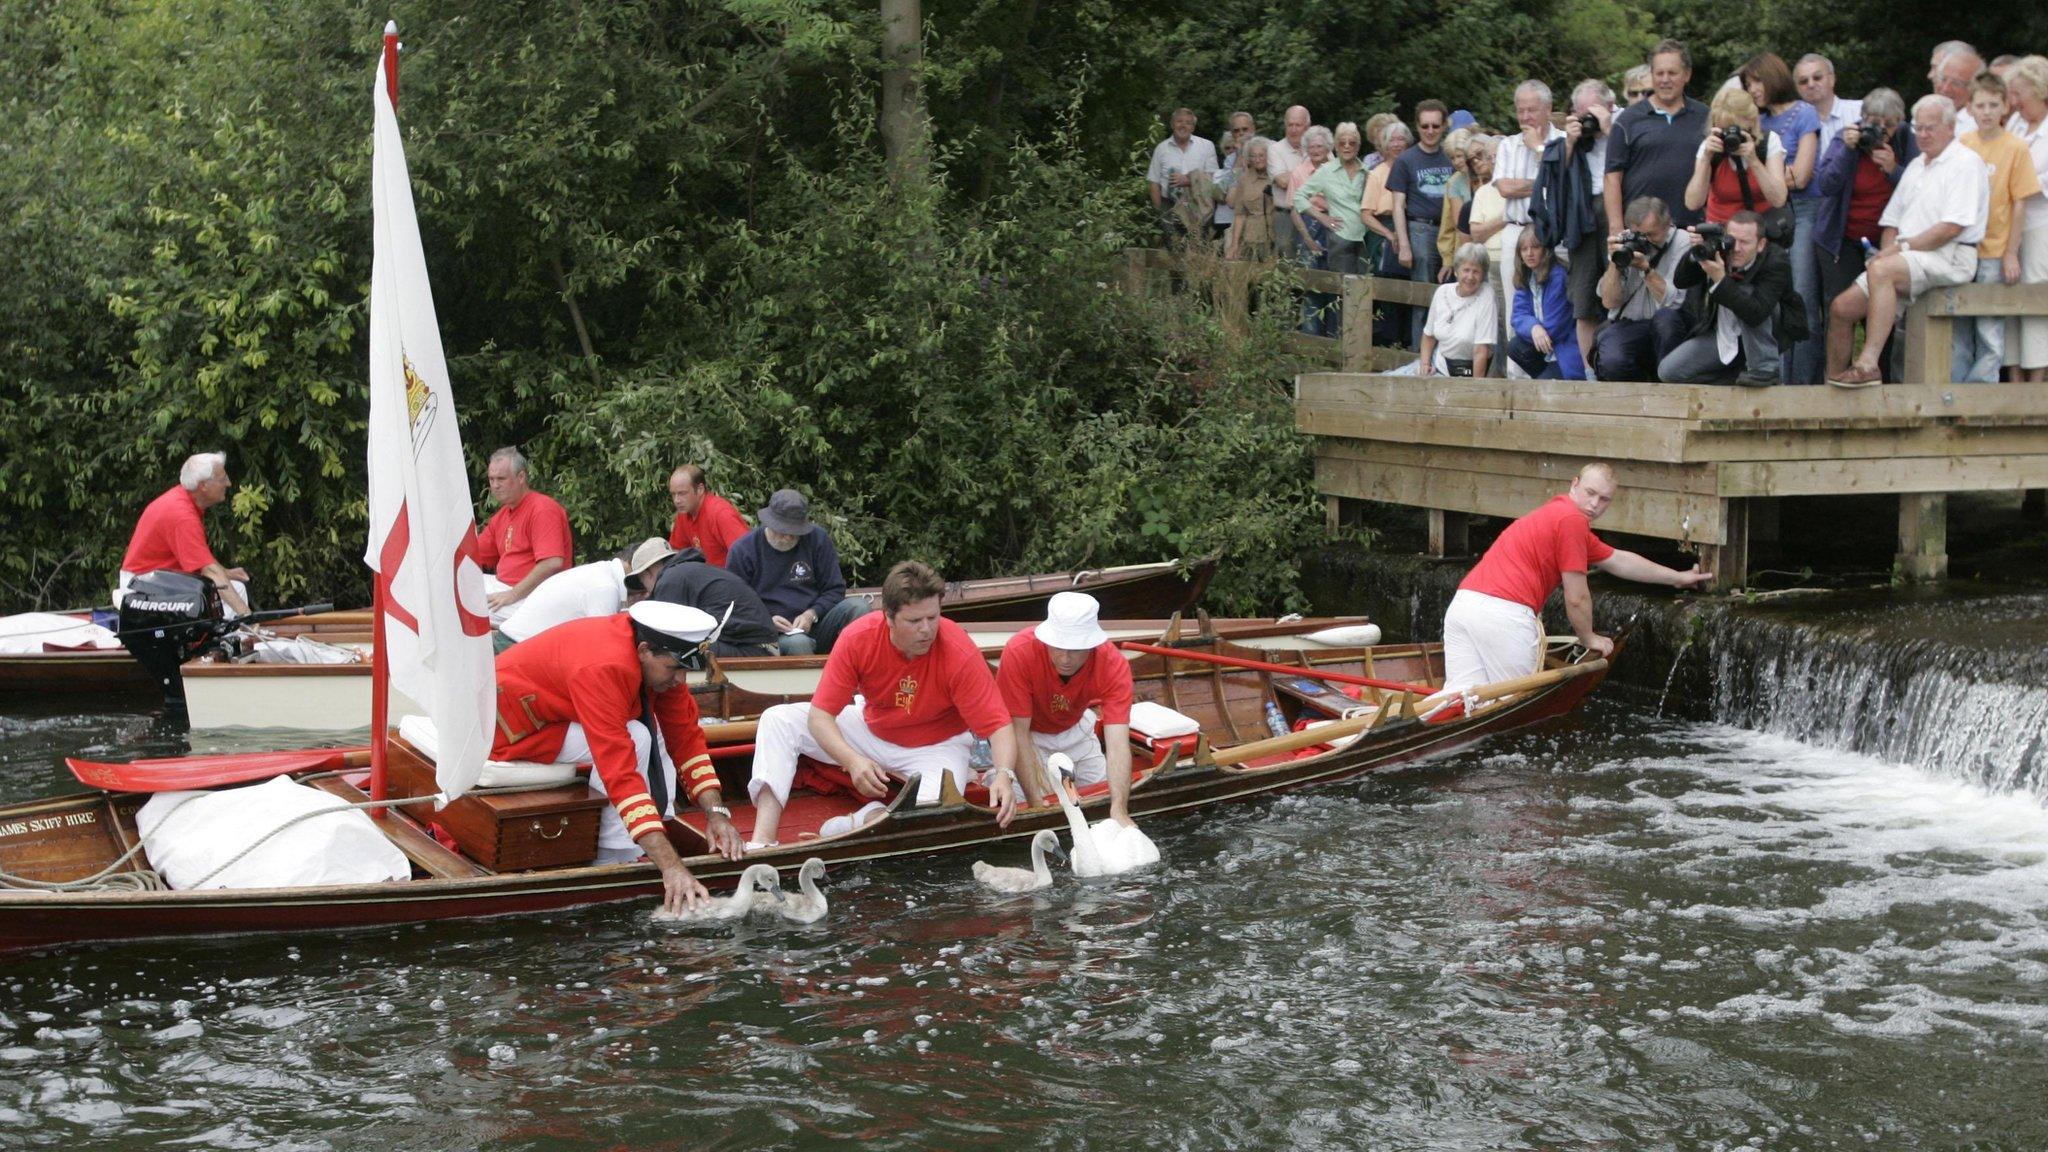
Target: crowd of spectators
(1746,239)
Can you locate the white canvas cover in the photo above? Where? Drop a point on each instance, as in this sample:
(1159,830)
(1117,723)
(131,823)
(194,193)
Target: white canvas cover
(188,835)
(25,634)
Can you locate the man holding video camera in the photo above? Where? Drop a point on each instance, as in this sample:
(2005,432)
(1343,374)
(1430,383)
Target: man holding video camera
(1739,320)
(1645,308)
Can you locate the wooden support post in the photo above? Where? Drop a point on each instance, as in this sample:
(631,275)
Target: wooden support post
(1233,295)
(1923,537)
(1930,340)
(1136,271)
(1729,561)
(1333,514)
(1449,534)
(1355,337)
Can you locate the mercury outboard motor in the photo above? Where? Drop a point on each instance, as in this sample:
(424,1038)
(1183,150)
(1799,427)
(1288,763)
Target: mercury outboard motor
(167,619)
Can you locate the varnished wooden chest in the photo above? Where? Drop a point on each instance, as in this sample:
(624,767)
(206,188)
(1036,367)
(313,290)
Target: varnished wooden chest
(512,832)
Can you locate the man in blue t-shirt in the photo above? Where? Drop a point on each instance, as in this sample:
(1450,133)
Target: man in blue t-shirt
(1417,183)
(792,564)
(1652,146)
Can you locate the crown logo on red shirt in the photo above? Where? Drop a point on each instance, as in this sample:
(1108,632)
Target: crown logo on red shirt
(906,693)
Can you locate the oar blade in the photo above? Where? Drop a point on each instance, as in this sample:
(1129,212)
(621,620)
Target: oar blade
(182,772)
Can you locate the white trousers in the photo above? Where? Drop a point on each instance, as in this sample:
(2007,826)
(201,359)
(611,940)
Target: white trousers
(613,845)
(1080,745)
(226,611)
(1487,640)
(492,586)
(784,733)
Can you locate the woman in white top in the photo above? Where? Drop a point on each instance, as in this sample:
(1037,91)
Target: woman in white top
(1464,320)
(2026,349)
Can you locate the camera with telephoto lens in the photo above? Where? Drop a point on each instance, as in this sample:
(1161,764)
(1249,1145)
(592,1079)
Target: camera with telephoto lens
(1631,243)
(1870,136)
(1713,243)
(1589,126)
(1732,138)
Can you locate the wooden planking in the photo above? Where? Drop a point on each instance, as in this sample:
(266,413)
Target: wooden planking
(1646,512)
(1986,300)
(1323,348)
(1551,468)
(1598,398)
(1884,474)
(1593,437)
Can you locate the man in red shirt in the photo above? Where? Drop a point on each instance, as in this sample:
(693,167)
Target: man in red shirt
(527,539)
(1493,632)
(170,536)
(1058,679)
(585,691)
(705,520)
(904,693)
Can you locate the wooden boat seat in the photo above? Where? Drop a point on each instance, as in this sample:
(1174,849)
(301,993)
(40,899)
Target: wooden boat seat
(426,853)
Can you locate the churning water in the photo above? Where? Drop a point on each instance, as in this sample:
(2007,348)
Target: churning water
(1617,932)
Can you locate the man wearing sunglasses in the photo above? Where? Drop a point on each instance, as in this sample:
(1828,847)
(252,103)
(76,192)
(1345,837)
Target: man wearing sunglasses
(1815,78)
(596,691)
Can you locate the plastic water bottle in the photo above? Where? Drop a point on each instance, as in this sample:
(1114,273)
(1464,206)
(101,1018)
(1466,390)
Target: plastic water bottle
(982,758)
(1275,722)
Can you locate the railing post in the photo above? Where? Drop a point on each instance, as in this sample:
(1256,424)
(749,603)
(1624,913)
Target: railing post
(1930,340)
(1354,337)
(1233,296)
(1136,277)
(1449,534)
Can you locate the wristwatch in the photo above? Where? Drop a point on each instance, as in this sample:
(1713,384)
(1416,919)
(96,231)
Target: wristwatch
(719,810)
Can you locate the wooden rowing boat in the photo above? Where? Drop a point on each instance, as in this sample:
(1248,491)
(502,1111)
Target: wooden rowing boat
(1133,592)
(336,697)
(1233,758)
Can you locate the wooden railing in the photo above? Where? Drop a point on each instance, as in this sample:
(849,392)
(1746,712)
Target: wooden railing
(1228,284)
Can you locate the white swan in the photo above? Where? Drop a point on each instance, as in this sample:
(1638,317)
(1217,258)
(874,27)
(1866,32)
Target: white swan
(758,878)
(1023,879)
(1109,847)
(808,905)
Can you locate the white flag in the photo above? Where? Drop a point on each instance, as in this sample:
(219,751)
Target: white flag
(437,630)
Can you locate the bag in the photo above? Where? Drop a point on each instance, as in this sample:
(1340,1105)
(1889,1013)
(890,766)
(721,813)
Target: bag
(1457,367)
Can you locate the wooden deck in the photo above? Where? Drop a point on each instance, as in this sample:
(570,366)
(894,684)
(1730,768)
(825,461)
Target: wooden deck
(1702,465)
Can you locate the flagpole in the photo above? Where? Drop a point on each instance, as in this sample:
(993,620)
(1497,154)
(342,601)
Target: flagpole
(380,656)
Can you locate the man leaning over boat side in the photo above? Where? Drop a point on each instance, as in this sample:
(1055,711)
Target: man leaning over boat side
(527,539)
(603,588)
(586,691)
(904,693)
(1058,679)
(1493,630)
(170,535)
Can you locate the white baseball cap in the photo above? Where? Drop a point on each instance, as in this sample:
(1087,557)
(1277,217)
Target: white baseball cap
(1070,622)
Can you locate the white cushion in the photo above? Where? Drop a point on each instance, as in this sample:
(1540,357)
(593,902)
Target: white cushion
(1158,722)
(420,733)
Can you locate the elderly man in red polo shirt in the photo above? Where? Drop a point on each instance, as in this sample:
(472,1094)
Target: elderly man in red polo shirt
(1494,631)
(904,693)
(588,690)
(1058,679)
(527,539)
(705,520)
(170,536)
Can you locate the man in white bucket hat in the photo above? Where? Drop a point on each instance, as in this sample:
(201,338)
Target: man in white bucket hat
(1058,679)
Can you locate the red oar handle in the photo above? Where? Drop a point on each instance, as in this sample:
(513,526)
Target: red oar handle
(180,773)
(1280,669)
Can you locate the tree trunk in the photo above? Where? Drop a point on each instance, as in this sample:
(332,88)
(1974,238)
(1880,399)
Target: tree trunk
(903,120)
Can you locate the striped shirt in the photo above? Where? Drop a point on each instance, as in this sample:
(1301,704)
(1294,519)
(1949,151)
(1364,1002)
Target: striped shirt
(1513,160)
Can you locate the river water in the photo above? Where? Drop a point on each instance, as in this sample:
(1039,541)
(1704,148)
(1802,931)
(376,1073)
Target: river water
(1619,931)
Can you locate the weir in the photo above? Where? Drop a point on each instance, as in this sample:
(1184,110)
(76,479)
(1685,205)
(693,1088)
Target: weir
(1950,682)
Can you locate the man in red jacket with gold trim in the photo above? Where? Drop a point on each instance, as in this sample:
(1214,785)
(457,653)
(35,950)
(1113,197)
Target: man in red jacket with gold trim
(585,690)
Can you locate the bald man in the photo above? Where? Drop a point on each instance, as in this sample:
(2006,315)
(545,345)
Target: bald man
(1494,628)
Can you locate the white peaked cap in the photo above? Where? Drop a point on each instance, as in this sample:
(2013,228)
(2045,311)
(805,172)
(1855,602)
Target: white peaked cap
(1070,622)
(671,627)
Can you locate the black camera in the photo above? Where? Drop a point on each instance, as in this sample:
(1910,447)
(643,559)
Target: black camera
(1713,243)
(1589,126)
(1870,137)
(1732,138)
(1630,244)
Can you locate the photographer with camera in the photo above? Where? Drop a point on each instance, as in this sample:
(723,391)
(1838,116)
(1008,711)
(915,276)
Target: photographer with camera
(1568,209)
(1739,167)
(1855,180)
(1745,312)
(1931,229)
(1647,314)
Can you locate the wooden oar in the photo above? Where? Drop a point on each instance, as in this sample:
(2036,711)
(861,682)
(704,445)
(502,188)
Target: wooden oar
(183,772)
(1336,730)
(1277,669)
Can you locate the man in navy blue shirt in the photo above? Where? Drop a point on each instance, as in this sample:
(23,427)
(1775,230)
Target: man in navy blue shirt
(1652,146)
(791,562)
(1417,183)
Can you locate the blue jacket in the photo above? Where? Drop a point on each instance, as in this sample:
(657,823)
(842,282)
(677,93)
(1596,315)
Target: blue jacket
(1835,176)
(1564,206)
(1558,321)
